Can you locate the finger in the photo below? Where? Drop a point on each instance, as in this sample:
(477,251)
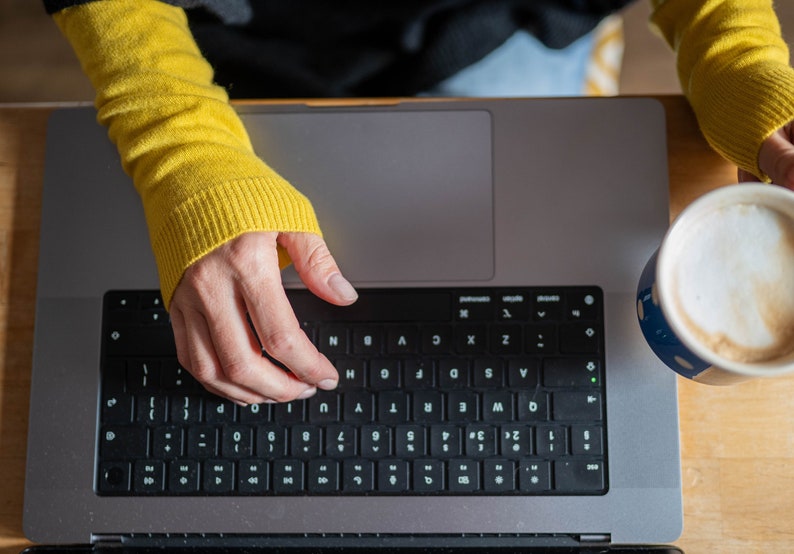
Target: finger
(746,177)
(276,324)
(241,362)
(203,363)
(776,158)
(317,268)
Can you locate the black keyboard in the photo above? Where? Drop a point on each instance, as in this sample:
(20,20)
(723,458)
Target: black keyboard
(441,392)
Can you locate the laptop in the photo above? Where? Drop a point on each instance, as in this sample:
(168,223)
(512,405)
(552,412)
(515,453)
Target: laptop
(520,211)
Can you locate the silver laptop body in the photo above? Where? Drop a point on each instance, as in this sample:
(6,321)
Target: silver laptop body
(416,194)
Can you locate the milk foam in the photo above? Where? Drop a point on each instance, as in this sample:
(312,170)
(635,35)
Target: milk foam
(735,282)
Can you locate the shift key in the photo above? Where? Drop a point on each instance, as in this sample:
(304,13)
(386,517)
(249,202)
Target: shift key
(572,372)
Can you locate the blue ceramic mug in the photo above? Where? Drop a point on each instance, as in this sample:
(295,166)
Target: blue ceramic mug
(699,302)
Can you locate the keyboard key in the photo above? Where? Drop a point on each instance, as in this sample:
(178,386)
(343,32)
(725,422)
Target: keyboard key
(512,306)
(340,441)
(323,476)
(499,476)
(497,405)
(533,406)
(551,440)
(253,476)
(186,409)
(218,476)
(522,373)
(237,441)
(375,441)
(453,373)
(480,440)
(464,475)
(571,372)
(359,476)
(384,374)
(392,407)
(123,442)
(578,475)
(428,475)
(167,442)
(324,407)
(580,338)
(436,339)
(428,406)
(202,442)
(445,441)
(577,405)
(488,373)
(271,441)
(114,477)
(367,340)
(418,374)
(218,410)
(462,405)
(183,476)
(534,477)
(548,306)
(587,440)
(149,476)
(392,476)
(402,340)
(515,441)
(410,441)
(288,476)
(117,408)
(305,441)
(506,339)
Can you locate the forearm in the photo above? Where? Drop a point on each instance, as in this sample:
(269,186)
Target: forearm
(186,149)
(734,68)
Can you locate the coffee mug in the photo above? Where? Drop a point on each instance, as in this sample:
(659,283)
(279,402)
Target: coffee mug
(715,302)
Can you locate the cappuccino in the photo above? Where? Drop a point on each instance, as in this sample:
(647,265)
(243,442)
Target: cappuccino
(732,282)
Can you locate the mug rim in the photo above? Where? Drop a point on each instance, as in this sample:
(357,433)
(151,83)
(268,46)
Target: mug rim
(771,196)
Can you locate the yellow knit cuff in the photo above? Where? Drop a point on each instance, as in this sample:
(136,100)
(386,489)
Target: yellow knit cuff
(222,213)
(739,112)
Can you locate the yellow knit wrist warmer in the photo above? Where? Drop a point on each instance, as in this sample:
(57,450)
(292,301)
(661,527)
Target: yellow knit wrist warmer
(733,65)
(184,146)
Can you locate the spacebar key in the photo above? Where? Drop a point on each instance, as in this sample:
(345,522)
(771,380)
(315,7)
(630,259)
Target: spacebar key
(156,340)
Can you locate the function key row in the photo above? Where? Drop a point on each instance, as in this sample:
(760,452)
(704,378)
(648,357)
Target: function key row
(322,476)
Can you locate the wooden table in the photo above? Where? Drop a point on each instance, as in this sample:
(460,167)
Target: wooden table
(737,442)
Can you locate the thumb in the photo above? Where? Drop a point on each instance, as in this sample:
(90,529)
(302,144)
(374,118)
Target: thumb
(776,157)
(317,268)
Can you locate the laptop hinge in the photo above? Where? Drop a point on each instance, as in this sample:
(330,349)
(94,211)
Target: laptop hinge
(595,539)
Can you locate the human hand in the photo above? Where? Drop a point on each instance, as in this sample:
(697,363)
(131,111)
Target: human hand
(776,158)
(213,339)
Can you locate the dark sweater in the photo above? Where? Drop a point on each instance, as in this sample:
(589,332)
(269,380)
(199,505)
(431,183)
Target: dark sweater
(338,48)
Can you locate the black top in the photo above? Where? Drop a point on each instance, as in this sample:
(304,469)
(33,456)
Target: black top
(317,48)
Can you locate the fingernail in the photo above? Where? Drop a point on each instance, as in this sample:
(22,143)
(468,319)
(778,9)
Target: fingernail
(308,393)
(327,384)
(342,287)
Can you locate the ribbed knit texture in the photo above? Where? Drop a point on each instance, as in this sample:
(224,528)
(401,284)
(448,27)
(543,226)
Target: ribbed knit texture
(734,68)
(186,149)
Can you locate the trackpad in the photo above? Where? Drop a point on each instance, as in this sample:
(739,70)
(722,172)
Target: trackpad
(400,195)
